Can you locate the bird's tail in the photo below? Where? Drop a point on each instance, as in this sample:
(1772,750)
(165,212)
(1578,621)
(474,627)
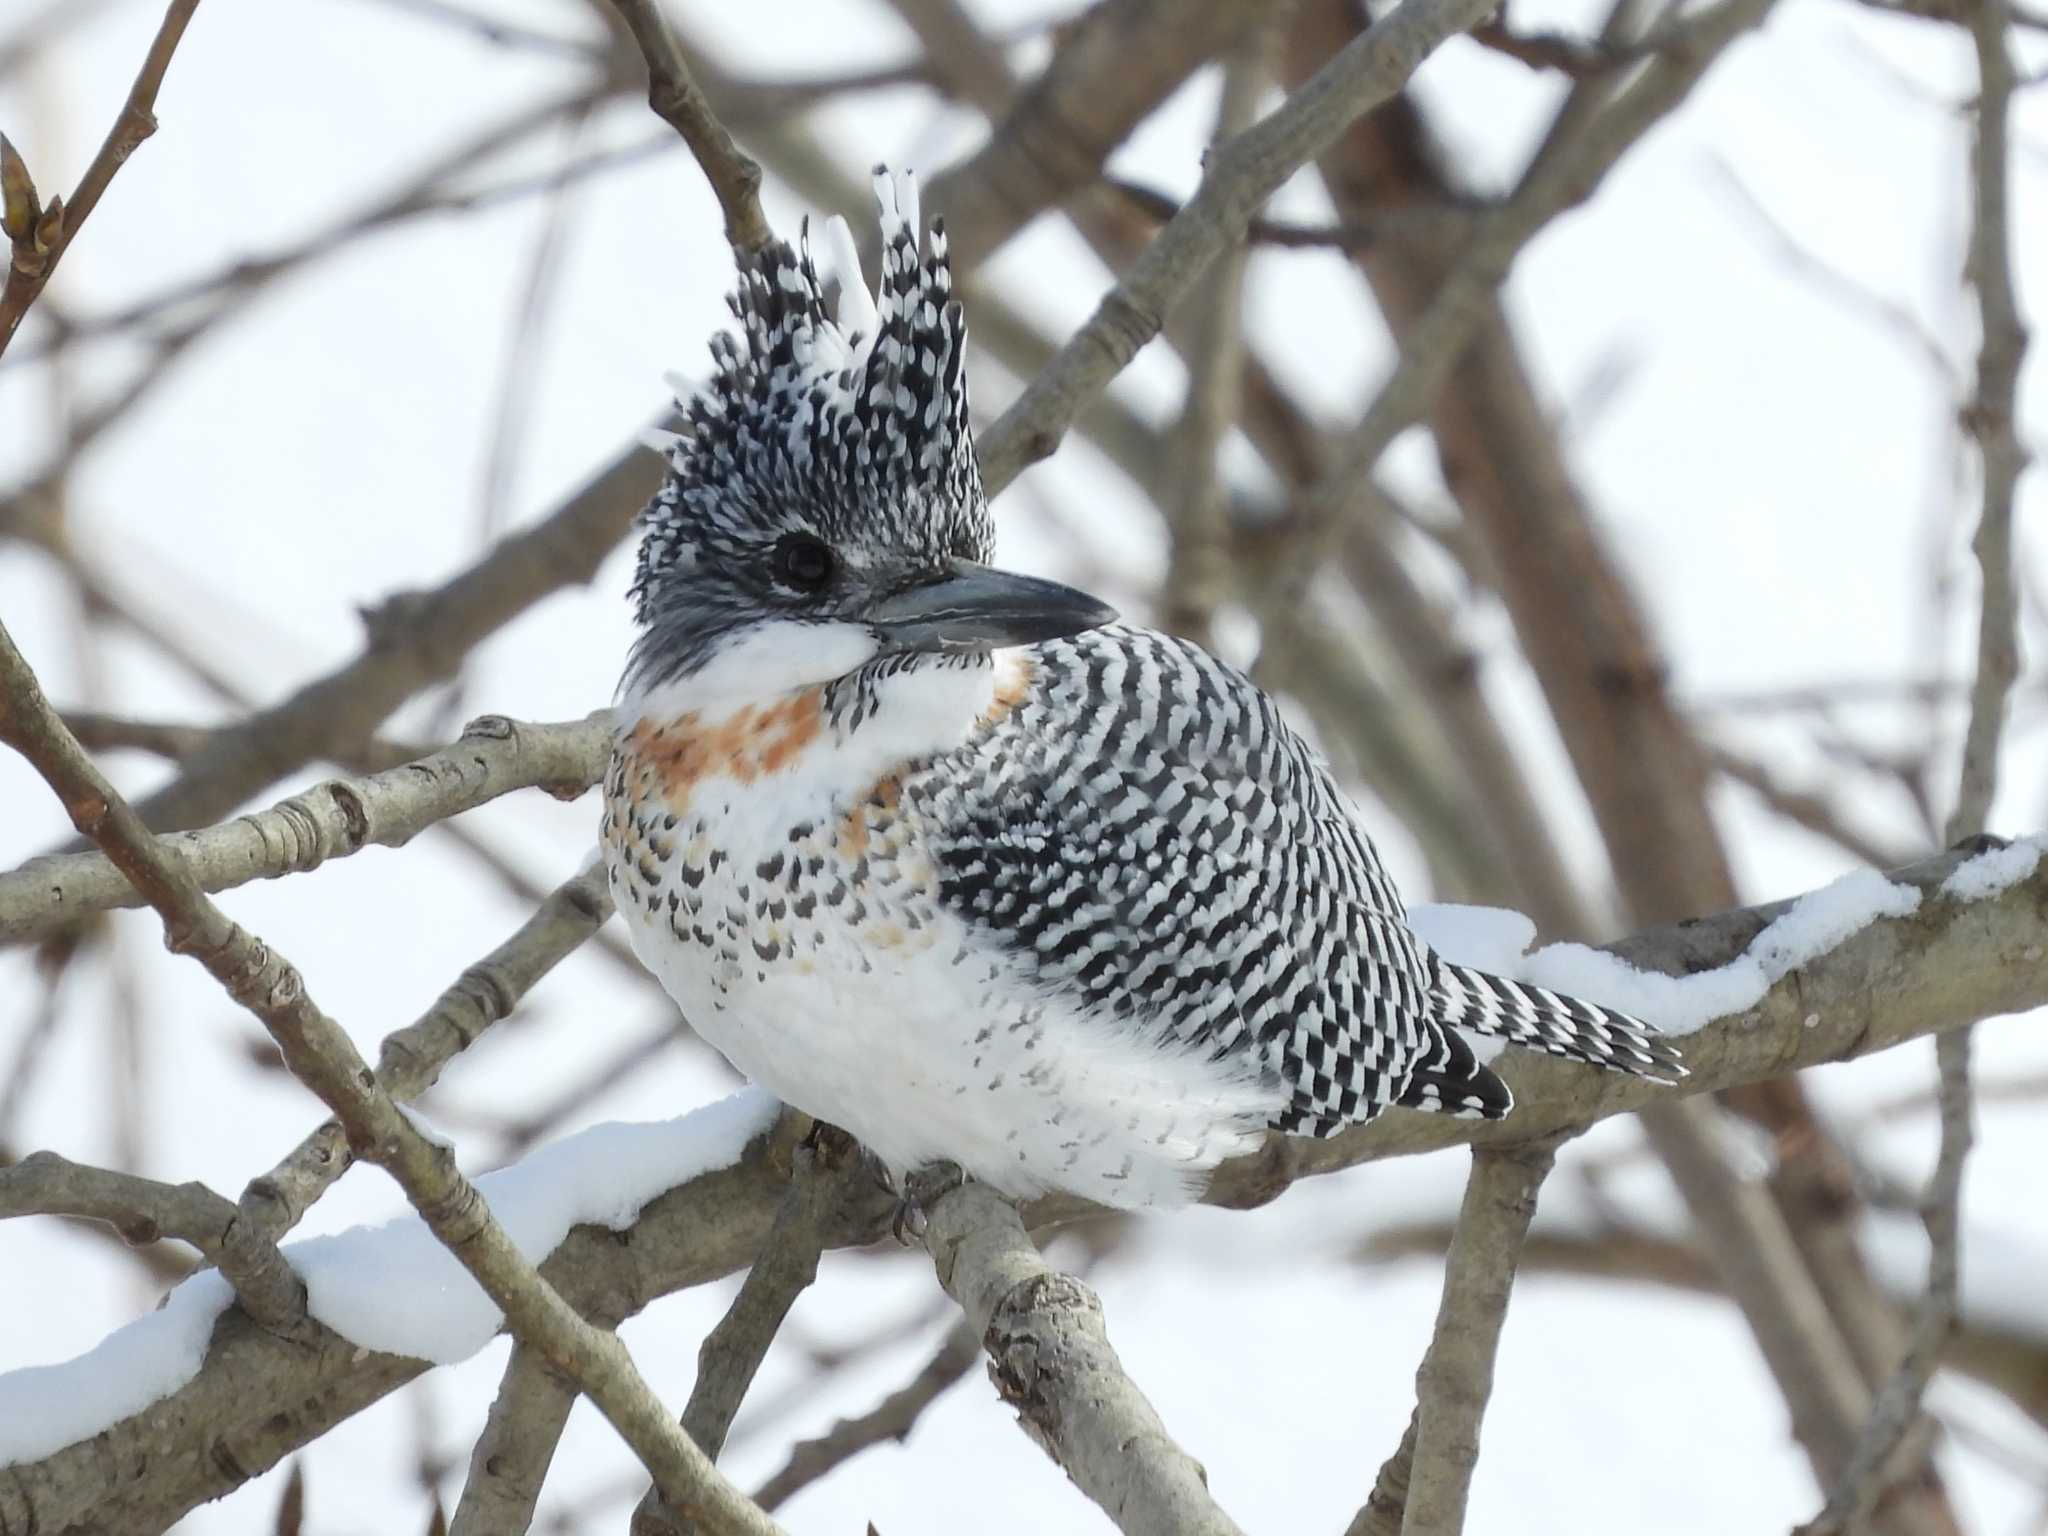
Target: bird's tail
(1529,1016)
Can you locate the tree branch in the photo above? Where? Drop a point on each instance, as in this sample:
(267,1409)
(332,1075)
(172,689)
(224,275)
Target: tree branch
(493,757)
(1435,342)
(410,1060)
(41,235)
(1990,419)
(673,94)
(1052,1361)
(1112,69)
(890,1419)
(1456,1377)
(141,1210)
(415,639)
(732,1352)
(510,1460)
(1946,965)
(1239,178)
(321,1055)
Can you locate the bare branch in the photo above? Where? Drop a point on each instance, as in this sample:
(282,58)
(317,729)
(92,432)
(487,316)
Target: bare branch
(732,1352)
(510,1459)
(1239,178)
(673,94)
(1804,808)
(1745,1235)
(1198,510)
(322,1056)
(247,1408)
(1381,1513)
(890,1419)
(410,1060)
(1456,1377)
(414,639)
(41,238)
(1899,978)
(1116,64)
(1990,419)
(494,757)
(141,1210)
(2007,1357)
(1437,338)
(1052,1361)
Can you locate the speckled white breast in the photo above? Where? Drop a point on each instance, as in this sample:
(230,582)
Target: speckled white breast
(771,872)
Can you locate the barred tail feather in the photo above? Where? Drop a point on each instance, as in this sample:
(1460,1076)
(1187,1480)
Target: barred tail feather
(1529,1016)
(1453,1081)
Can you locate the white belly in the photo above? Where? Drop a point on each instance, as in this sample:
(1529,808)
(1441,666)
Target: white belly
(789,909)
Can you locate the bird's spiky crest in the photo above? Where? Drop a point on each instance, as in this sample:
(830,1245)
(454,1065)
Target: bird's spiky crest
(856,421)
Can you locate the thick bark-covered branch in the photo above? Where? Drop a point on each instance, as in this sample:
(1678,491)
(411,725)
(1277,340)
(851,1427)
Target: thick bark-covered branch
(1052,1361)
(257,1397)
(1456,1377)
(1898,979)
(510,1459)
(494,757)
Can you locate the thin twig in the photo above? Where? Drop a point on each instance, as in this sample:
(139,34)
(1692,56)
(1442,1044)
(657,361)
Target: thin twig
(1239,178)
(410,1060)
(40,240)
(2003,458)
(1280,233)
(498,32)
(1198,510)
(673,94)
(1804,808)
(732,1352)
(891,1419)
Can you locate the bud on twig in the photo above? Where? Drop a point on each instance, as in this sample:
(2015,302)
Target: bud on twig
(20,209)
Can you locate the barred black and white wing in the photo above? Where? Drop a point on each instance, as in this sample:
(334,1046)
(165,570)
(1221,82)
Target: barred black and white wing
(1142,833)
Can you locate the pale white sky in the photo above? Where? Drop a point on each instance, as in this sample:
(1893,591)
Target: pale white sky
(1775,468)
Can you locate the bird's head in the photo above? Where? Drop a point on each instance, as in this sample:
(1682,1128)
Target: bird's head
(824,510)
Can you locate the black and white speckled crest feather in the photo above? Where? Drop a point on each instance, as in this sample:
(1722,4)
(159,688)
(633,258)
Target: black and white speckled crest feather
(852,427)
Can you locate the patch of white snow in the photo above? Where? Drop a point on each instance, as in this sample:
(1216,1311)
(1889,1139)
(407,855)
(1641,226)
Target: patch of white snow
(391,1287)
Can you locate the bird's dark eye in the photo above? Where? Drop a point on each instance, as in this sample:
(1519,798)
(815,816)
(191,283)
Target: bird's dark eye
(803,563)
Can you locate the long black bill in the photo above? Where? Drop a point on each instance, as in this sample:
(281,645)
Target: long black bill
(976,608)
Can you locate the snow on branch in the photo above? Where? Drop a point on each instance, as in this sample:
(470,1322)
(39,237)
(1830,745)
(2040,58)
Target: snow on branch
(1860,966)
(1971,947)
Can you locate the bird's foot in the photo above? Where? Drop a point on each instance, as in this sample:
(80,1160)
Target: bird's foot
(921,1188)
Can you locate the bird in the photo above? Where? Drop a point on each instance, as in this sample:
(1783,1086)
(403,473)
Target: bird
(952,858)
